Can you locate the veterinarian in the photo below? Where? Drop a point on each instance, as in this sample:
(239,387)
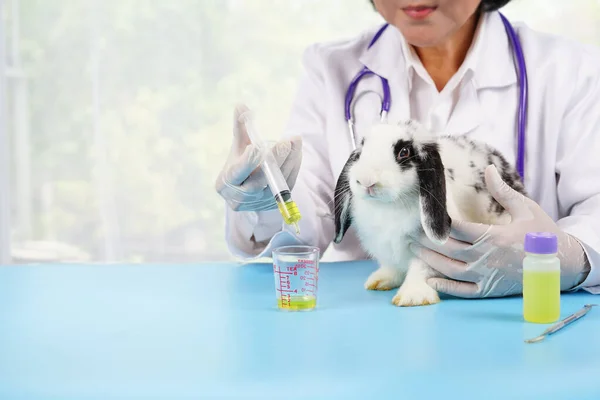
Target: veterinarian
(460,68)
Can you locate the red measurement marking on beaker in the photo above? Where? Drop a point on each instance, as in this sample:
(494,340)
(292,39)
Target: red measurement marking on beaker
(285,285)
(286,300)
(308,277)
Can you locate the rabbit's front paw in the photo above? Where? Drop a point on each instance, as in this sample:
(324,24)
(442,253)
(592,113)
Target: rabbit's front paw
(385,278)
(415,294)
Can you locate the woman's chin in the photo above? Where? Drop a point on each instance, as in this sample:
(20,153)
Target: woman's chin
(424,39)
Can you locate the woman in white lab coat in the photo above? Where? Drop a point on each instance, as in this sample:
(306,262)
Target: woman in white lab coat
(450,65)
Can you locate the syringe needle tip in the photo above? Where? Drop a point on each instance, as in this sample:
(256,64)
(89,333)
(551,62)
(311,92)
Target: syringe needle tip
(297,228)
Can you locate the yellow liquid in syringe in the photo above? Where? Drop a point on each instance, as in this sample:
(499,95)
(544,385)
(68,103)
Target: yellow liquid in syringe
(290,212)
(297,303)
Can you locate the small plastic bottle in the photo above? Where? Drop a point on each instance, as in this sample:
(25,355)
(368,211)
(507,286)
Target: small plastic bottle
(541,278)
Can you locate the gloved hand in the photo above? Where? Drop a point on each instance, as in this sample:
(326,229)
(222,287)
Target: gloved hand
(486,260)
(241,182)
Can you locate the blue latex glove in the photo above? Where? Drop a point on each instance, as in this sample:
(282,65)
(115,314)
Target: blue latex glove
(486,260)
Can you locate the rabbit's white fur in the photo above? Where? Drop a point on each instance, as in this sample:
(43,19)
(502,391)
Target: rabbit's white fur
(442,178)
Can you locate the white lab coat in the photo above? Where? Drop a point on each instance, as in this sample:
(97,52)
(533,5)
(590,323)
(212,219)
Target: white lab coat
(562,164)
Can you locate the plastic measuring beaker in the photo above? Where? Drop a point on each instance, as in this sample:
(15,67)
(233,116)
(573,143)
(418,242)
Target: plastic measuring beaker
(296,270)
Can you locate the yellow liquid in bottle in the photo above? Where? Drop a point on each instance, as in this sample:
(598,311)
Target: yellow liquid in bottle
(541,296)
(297,303)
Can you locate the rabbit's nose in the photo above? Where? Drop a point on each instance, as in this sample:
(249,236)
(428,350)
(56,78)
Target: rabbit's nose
(369,187)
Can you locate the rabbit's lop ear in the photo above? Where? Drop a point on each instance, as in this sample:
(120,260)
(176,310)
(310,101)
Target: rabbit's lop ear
(432,190)
(343,200)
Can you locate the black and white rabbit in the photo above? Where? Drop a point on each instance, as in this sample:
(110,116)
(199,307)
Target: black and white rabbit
(402,181)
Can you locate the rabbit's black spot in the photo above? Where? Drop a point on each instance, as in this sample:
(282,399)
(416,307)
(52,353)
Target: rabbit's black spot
(342,199)
(429,150)
(481,175)
(450,173)
(432,185)
(495,207)
(362,142)
(508,174)
(472,164)
(478,188)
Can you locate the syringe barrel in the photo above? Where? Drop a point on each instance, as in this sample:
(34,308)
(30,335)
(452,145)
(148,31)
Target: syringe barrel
(279,188)
(270,168)
(277,183)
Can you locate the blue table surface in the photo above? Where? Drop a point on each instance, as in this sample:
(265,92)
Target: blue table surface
(213,331)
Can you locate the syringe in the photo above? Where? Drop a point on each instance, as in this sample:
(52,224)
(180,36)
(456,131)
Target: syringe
(277,183)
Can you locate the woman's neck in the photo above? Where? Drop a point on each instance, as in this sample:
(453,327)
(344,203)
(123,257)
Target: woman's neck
(442,62)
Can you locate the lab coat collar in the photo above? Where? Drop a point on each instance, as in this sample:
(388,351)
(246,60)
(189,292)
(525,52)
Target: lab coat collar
(489,62)
(494,64)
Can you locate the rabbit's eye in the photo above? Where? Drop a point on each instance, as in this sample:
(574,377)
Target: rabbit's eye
(403,153)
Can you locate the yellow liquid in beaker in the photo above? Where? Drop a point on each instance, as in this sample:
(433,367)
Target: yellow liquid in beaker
(297,303)
(541,296)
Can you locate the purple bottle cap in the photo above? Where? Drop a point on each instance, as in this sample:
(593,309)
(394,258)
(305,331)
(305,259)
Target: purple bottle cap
(541,243)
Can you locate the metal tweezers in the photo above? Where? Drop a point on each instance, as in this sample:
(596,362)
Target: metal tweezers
(559,325)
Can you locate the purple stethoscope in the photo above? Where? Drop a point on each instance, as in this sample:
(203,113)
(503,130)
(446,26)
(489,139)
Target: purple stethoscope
(385,105)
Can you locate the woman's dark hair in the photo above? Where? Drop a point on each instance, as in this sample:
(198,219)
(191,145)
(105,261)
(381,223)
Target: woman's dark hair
(493,5)
(486,5)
